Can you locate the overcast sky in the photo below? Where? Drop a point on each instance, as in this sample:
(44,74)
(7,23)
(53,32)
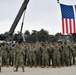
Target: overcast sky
(40,14)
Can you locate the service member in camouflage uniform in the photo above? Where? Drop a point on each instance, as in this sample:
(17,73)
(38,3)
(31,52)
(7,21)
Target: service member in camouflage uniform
(75,48)
(27,54)
(5,55)
(19,57)
(73,51)
(45,55)
(32,56)
(51,47)
(24,47)
(62,59)
(66,54)
(39,50)
(56,55)
(10,54)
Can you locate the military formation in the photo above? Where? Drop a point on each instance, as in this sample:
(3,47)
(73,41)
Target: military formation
(37,54)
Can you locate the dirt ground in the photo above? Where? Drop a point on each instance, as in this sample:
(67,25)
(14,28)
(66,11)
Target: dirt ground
(40,71)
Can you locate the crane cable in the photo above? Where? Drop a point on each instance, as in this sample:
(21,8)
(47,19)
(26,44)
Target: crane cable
(22,21)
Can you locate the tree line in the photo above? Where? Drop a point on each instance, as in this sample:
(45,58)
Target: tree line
(32,37)
(41,36)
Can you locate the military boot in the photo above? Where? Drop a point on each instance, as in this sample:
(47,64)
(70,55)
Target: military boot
(59,66)
(16,69)
(62,65)
(42,66)
(73,61)
(23,69)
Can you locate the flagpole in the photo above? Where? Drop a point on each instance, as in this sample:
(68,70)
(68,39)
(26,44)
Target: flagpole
(57,1)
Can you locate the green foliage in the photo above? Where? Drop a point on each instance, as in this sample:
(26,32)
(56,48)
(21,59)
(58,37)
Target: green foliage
(27,32)
(42,36)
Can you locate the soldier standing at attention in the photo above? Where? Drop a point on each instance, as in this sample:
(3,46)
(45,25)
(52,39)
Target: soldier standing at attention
(66,53)
(62,59)
(56,55)
(39,50)
(19,57)
(5,58)
(73,51)
(45,55)
(31,53)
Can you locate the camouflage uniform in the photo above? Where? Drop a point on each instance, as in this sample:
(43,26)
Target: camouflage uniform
(66,55)
(62,59)
(10,55)
(75,48)
(32,56)
(51,47)
(56,56)
(25,57)
(5,55)
(73,52)
(27,54)
(45,56)
(19,57)
(39,54)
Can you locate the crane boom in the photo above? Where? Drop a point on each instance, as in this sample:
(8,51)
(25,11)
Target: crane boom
(23,7)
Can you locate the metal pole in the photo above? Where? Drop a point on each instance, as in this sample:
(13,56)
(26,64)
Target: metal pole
(57,1)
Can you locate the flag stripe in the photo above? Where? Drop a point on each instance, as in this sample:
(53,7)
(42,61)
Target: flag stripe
(66,26)
(70,21)
(74,26)
(62,25)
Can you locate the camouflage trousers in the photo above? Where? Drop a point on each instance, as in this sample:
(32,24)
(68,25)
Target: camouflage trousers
(19,62)
(45,59)
(56,60)
(33,59)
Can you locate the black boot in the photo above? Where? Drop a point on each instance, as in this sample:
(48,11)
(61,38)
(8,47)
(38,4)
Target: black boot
(23,69)
(16,70)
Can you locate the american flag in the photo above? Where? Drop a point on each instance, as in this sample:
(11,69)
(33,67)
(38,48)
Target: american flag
(68,18)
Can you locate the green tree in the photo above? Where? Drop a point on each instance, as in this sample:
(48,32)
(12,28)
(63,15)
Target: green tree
(42,35)
(34,35)
(51,37)
(27,33)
